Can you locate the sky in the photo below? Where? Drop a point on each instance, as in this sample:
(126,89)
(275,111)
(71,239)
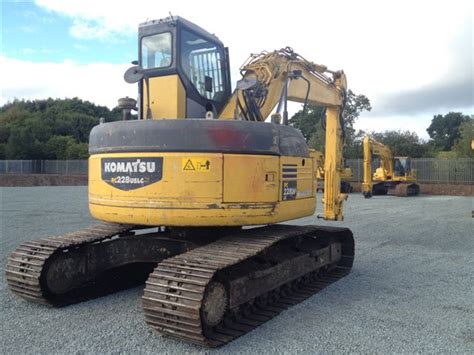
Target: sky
(412,59)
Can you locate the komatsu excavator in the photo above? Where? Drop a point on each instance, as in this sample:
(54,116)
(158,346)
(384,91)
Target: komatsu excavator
(394,175)
(191,193)
(346,174)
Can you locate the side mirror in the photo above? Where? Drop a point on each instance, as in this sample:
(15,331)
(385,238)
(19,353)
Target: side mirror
(134,62)
(133,74)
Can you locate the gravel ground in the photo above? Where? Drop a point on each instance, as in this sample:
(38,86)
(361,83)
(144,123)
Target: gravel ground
(410,289)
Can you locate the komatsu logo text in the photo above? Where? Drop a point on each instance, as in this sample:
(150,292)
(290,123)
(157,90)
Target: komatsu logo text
(131,173)
(130,167)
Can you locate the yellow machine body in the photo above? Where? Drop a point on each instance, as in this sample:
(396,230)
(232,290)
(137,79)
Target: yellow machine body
(167,97)
(186,80)
(230,190)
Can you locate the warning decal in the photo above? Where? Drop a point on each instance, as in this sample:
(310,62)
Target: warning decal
(189,165)
(201,165)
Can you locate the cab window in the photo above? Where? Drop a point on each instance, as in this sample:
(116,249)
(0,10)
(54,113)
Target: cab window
(204,64)
(156,51)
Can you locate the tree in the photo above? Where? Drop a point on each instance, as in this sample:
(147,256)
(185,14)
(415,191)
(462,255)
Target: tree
(311,123)
(308,122)
(49,129)
(22,144)
(354,106)
(402,143)
(78,151)
(444,129)
(462,147)
(57,147)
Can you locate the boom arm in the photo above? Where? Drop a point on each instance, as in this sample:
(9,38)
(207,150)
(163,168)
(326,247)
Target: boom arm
(270,79)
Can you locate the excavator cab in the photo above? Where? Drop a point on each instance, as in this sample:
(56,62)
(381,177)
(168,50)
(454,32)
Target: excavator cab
(402,166)
(399,167)
(185,70)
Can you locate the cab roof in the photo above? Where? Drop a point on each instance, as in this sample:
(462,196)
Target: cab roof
(174,21)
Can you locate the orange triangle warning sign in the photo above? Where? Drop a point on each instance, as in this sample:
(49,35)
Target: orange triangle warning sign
(189,165)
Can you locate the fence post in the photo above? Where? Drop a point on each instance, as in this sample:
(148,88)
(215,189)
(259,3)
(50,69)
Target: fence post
(67,166)
(449,171)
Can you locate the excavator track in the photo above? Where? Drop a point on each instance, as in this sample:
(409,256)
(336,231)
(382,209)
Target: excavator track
(220,291)
(95,261)
(26,265)
(406,190)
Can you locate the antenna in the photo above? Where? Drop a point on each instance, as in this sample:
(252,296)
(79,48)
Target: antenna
(173,19)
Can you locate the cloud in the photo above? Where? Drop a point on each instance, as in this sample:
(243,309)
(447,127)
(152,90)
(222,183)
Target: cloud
(383,48)
(91,30)
(453,89)
(439,97)
(411,58)
(93,20)
(101,83)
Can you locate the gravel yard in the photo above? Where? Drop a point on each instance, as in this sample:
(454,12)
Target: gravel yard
(411,288)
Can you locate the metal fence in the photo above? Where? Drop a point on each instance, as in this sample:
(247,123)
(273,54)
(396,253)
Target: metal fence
(62,167)
(429,170)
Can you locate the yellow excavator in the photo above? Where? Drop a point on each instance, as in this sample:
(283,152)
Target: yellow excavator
(346,174)
(191,193)
(394,174)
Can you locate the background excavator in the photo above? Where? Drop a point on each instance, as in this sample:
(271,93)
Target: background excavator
(394,175)
(191,192)
(346,174)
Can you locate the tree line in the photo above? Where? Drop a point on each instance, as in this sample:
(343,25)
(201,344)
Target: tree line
(59,129)
(49,129)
